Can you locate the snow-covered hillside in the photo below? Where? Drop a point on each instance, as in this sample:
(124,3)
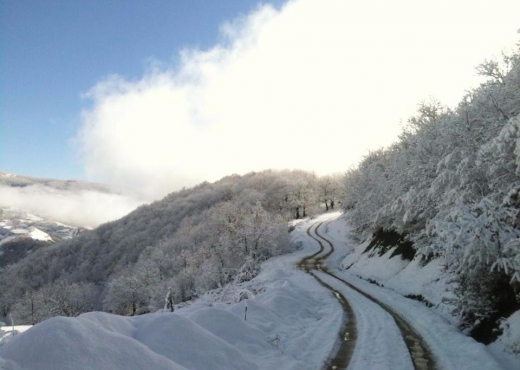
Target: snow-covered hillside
(20,181)
(22,232)
(193,240)
(16,223)
(291,323)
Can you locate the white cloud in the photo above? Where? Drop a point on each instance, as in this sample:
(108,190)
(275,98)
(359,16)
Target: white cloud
(312,86)
(85,208)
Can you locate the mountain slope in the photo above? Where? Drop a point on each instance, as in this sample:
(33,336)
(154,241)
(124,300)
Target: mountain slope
(192,240)
(21,181)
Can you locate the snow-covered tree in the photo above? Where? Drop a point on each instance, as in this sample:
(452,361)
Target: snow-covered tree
(60,298)
(450,185)
(330,190)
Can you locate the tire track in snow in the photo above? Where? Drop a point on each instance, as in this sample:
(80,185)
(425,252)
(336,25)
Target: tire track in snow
(347,336)
(420,354)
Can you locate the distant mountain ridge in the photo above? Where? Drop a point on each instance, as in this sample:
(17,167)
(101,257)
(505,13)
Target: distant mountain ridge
(75,203)
(23,231)
(13,180)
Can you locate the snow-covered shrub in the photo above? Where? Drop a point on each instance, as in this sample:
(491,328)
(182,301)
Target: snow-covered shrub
(510,336)
(476,241)
(482,299)
(479,236)
(248,271)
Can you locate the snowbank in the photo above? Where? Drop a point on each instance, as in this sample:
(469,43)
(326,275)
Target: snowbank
(409,278)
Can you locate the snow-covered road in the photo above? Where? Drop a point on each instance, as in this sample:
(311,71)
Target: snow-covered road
(380,314)
(380,342)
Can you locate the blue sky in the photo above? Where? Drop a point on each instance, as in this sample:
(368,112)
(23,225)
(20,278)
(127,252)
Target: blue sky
(310,84)
(54,51)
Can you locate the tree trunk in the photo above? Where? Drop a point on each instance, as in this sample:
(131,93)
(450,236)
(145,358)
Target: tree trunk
(304,214)
(297,213)
(171,303)
(331,204)
(326,206)
(32,311)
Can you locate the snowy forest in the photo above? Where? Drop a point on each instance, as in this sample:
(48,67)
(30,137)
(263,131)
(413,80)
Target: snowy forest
(451,185)
(192,241)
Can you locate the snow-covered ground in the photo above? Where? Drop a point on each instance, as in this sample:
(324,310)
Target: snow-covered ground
(292,322)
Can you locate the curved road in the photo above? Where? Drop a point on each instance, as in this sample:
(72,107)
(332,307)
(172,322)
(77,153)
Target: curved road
(347,336)
(386,340)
